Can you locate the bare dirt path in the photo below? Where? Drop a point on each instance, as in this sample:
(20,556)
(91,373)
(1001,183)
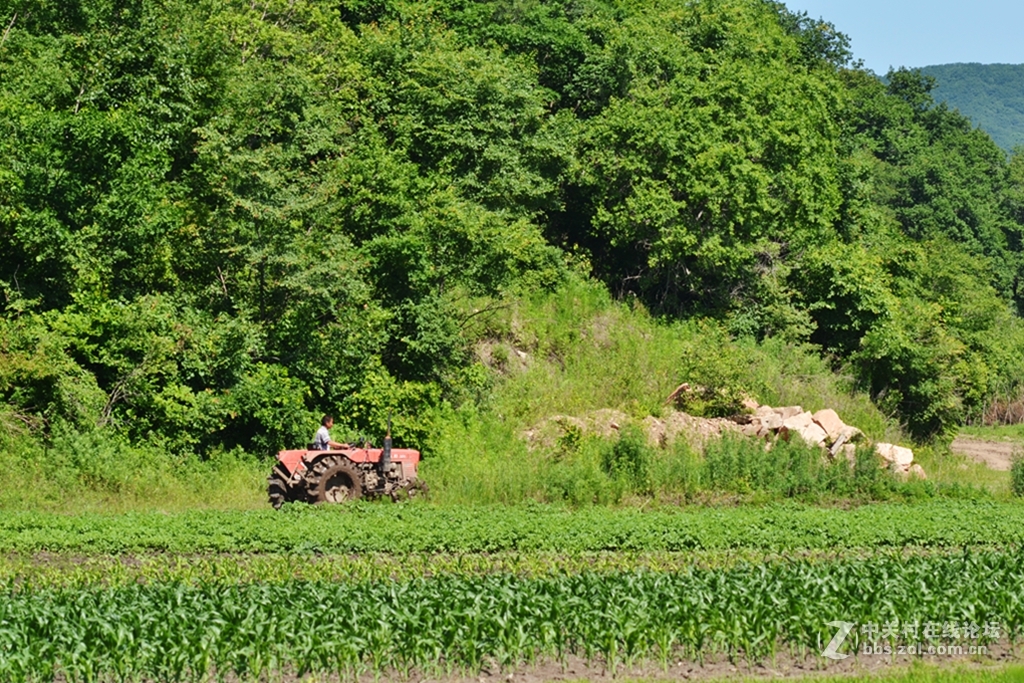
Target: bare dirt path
(997,455)
(715,669)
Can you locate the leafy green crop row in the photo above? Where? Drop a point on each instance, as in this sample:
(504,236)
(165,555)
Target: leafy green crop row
(421,528)
(87,571)
(177,632)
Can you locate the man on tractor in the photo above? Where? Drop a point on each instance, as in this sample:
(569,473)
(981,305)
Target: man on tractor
(332,472)
(322,440)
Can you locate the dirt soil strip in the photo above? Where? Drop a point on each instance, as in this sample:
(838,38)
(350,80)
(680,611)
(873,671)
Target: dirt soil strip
(716,668)
(997,455)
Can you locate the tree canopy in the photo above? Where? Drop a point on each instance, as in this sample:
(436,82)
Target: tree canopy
(218,218)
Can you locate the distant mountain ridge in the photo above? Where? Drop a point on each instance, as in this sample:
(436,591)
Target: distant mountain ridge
(992,95)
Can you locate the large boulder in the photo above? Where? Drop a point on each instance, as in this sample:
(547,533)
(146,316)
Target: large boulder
(753,429)
(892,454)
(788,411)
(828,420)
(813,434)
(798,421)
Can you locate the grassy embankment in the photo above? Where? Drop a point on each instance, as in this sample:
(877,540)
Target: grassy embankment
(572,353)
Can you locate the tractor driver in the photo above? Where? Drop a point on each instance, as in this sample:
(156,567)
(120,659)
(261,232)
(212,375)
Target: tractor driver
(322,440)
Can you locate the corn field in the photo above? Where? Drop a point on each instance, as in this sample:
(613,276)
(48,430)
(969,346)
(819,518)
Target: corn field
(180,631)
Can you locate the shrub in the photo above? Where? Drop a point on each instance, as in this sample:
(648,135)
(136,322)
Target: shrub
(718,371)
(739,465)
(1017,476)
(628,460)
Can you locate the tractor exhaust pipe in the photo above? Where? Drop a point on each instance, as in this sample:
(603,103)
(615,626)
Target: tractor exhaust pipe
(385,457)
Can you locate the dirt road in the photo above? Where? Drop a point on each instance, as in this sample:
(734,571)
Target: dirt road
(997,455)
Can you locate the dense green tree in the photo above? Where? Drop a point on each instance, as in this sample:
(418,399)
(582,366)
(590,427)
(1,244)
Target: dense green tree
(718,158)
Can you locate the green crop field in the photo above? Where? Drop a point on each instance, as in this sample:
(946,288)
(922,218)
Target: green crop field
(413,590)
(371,527)
(179,631)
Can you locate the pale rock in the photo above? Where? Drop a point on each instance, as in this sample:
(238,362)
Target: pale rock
(750,429)
(849,451)
(813,434)
(897,455)
(772,422)
(917,471)
(762,411)
(828,420)
(788,411)
(750,404)
(795,422)
(852,434)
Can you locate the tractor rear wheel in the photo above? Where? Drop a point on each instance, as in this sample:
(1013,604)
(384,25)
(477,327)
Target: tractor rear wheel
(335,479)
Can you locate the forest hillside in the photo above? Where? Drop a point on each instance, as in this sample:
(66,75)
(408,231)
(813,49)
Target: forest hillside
(992,95)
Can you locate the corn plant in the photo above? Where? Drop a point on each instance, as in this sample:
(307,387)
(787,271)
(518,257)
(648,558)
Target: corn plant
(173,631)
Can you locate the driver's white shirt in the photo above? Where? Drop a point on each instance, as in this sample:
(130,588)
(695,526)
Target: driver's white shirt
(322,440)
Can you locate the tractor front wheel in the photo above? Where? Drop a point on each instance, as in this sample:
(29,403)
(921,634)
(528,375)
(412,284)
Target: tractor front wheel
(409,489)
(277,488)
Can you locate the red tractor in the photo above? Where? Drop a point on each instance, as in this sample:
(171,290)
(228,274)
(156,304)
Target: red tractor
(345,474)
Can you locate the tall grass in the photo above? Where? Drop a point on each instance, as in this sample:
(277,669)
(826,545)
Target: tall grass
(99,471)
(577,351)
(569,353)
(630,470)
(1017,476)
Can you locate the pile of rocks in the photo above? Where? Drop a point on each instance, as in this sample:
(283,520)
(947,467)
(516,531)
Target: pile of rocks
(824,429)
(900,459)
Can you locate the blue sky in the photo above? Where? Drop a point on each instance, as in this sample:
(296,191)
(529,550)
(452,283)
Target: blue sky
(921,33)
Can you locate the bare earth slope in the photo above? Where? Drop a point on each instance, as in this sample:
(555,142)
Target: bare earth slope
(998,455)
